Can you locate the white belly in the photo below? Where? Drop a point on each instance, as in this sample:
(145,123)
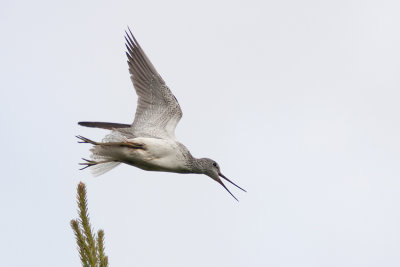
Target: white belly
(156,155)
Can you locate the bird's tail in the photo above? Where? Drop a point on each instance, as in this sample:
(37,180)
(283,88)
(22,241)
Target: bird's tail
(104,157)
(103,167)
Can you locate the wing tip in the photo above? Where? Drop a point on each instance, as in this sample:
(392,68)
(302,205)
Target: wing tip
(103,125)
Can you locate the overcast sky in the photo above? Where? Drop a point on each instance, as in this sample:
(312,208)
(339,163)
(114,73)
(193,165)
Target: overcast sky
(298,101)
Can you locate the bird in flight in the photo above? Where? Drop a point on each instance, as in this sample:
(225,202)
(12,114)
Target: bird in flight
(149,143)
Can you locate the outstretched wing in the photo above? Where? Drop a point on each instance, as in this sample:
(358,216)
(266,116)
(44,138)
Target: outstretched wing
(158,112)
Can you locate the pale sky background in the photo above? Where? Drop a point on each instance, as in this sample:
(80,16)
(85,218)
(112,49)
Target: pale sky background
(298,101)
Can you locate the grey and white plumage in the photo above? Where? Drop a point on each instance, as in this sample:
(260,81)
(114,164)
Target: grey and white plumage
(149,142)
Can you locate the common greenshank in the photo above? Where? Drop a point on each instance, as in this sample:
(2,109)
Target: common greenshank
(149,143)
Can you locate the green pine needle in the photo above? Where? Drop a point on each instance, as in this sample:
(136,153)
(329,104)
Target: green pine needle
(91,248)
(80,240)
(103,259)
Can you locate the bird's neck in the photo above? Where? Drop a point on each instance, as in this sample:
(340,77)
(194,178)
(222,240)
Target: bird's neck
(196,166)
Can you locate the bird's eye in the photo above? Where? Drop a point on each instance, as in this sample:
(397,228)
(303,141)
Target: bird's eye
(215,164)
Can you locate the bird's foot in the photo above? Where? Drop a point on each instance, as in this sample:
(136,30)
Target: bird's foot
(88,163)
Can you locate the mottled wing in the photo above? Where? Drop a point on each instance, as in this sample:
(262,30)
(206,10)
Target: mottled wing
(158,111)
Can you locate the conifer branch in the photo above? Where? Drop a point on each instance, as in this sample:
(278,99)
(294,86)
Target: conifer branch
(91,248)
(84,220)
(83,249)
(103,259)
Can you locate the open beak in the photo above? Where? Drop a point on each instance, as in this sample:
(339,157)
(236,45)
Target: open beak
(220,181)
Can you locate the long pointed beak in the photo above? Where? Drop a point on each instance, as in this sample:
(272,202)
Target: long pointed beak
(223,176)
(223,185)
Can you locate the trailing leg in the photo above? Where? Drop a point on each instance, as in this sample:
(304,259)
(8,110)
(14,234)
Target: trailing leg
(85,140)
(125,144)
(90,163)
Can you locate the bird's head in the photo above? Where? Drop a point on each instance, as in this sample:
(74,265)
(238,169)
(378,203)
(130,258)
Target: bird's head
(211,168)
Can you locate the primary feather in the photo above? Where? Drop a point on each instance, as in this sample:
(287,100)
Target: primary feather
(158,112)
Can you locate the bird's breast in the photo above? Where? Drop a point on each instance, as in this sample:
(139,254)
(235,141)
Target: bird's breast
(156,155)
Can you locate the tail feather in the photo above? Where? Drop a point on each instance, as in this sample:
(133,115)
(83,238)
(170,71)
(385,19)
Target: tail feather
(105,154)
(114,136)
(106,161)
(104,158)
(102,168)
